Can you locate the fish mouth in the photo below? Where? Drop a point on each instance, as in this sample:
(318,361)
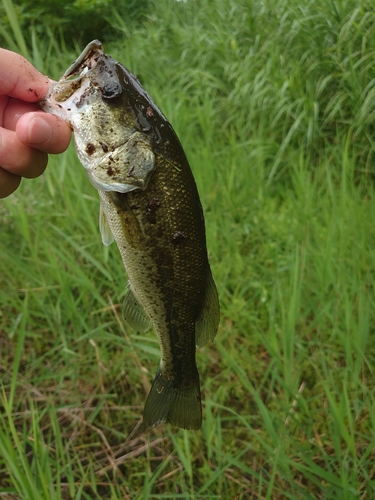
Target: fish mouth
(73,80)
(85,61)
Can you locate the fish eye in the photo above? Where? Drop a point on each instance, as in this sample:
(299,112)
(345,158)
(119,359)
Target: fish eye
(111,91)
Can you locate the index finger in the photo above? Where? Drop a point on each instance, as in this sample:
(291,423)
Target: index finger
(19,78)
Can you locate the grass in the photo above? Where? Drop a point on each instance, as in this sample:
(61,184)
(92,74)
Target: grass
(274,104)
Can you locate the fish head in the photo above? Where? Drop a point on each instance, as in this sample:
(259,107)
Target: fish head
(93,97)
(90,92)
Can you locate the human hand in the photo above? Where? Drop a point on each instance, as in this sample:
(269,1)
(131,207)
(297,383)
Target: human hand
(27,134)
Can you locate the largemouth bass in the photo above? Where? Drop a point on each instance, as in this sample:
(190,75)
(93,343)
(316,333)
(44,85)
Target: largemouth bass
(150,206)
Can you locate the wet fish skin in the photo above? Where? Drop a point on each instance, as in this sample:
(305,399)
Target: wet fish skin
(150,202)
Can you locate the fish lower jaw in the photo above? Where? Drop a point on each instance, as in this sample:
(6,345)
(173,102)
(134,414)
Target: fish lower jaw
(50,106)
(63,100)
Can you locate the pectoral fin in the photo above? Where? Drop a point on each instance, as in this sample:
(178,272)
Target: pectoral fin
(134,314)
(208,319)
(105,230)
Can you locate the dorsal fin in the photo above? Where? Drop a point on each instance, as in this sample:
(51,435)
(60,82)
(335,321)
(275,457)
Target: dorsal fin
(208,319)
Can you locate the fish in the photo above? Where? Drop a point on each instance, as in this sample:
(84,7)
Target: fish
(150,206)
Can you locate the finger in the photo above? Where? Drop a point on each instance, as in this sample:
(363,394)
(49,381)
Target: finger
(43,131)
(8,183)
(13,110)
(19,78)
(19,159)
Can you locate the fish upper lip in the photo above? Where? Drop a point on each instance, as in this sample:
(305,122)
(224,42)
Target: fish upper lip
(86,61)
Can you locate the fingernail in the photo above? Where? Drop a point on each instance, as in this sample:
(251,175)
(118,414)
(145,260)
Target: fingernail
(40,131)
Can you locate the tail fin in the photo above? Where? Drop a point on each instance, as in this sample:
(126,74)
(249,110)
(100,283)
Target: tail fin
(167,402)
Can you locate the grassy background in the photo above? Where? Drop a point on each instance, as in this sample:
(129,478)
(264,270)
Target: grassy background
(274,104)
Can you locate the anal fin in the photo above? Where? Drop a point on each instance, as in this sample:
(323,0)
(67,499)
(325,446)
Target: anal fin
(134,314)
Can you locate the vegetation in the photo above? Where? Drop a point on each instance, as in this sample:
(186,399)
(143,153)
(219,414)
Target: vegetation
(78,21)
(274,104)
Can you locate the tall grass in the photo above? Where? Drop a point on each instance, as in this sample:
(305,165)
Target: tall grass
(274,104)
